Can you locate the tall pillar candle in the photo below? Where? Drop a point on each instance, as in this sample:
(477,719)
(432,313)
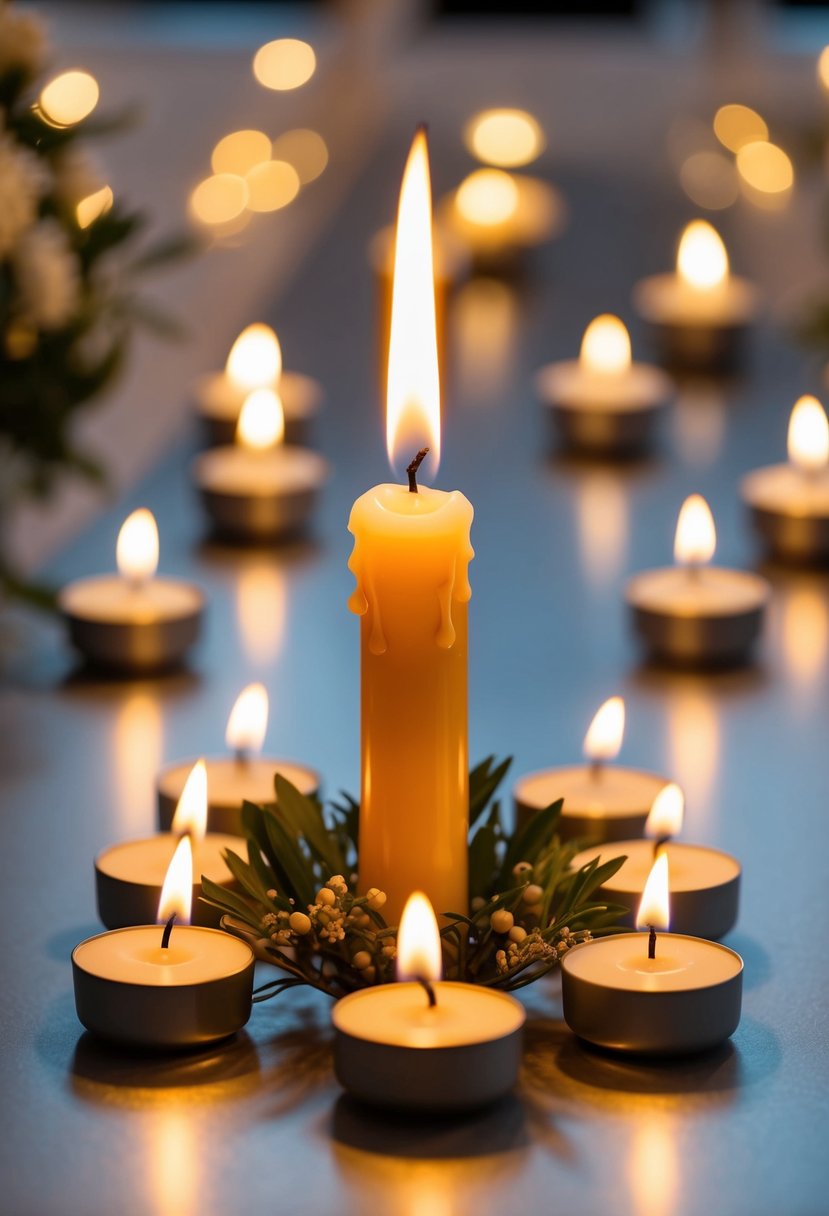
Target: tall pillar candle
(410,559)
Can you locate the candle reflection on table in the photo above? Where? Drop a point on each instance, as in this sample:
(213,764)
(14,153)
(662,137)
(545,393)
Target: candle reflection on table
(484,328)
(694,744)
(654,1166)
(172,1162)
(700,422)
(138,747)
(261,609)
(603,524)
(801,619)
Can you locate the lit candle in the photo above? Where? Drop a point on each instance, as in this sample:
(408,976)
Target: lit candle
(133,621)
(255,361)
(789,503)
(705,882)
(180,987)
(694,613)
(242,776)
(425,1043)
(652,992)
(410,560)
(500,215)
(700,313)
(602,401)
(259,488)
(602,801)
(129,876)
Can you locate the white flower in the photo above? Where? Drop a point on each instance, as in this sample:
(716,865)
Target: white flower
(22,181)
(23,42)
(77,175)
(47,275)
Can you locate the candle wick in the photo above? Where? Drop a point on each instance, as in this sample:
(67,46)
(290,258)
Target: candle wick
(659,845)
(596,770)
(652,942)
(241,754)
(426,985)
(168,929)
(413,467)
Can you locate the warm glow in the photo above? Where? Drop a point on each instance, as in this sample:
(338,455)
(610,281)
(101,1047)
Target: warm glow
(605,733)
(306,150)
(93,206)
(823,68)
(284,64)
(248,720)
(765,167)
(736,125)
(653,1165)
(240,151)
(808,439)
(261,422)
(805,634)
(701,260)
(173,1158)
(261,609)
(507,138)
(413,382)
(190,818)
(709,179)
(418,941)
(219,199)
(136,551)
(696,536)
(694,740)
(272,185)
(655,910)
(605,347)
(255,357)
(666,813)
(177,892)
(487,197)
(602,515)
(484,321)
(135,754)
(69,98)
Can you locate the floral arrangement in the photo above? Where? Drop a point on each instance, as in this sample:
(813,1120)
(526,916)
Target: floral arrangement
(67,269)
(299,912)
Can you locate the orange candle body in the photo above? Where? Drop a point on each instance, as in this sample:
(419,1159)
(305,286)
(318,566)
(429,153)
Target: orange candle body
(410,559)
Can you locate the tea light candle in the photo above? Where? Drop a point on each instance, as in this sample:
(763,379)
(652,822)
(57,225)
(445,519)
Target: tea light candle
(500,215)
(705,882)
(133,621)
(242,776)
(602,402)
(602,801)
(700,313)
(129,876)
(789,503)
(259,488)
(654,995)
(180,987)
(424,1043)
(693,613)
(255,361)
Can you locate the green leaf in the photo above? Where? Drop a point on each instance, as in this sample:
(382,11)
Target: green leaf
(297,878)
(304,817)
(528,841)
(247,877)
(482,860)
(229,901)
(483,782)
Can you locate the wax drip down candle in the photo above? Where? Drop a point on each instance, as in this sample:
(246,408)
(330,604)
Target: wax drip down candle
(410,560)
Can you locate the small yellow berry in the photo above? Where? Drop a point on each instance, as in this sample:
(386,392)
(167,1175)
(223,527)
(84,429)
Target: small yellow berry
(361,960)
(300,923)
(533,894)
(375,898)
(517,934)
(325,896)
(502,921)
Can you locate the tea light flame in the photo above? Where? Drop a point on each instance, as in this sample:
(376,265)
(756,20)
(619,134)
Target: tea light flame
(248,720)
(696,537)
(506,137)
(190,818)
(418,941)
(808,438)
(255,358)
(413,382)
(261,422)
(487,197)
(605,733)
(136,550)
(654,909)
(701,260)
(666,814)
(605,347)
(177,891)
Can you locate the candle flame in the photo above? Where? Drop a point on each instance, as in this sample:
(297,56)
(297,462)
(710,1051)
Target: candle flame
(666,813)
(605,347)
(808,439)
(504,137)
(136,550)
(702,261)
(487,197)
(261,423)
(605,733)
(190,818)
(177,891)
(255,358)
(696,536)
(655,907)
(248,720)
(413,383)
(418,941)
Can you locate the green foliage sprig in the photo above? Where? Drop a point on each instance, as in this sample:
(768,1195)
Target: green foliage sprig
(300,913)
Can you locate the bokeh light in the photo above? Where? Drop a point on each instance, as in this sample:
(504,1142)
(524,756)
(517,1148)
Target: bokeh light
(710,180)
(736,125)
(240,151)
(487,197)
(823,68)
(69,98)
(286,63)
(219,199)
(507,138)
(272,185)
(765,167)
(93,206)
(306,150)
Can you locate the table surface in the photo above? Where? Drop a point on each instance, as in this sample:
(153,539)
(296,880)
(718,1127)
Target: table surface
(260,1125)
